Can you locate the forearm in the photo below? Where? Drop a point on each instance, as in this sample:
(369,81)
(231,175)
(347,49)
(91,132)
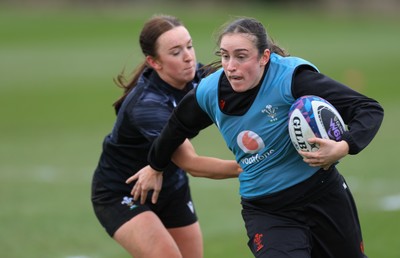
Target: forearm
(215,168)
(200,166)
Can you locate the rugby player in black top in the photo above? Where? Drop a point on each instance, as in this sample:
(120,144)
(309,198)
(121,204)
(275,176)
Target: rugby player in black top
(170,227)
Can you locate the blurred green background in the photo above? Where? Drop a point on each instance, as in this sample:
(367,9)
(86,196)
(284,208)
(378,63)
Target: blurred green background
(57,64)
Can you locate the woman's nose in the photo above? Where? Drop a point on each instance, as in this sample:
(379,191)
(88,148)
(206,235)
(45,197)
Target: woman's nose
(188,55)
(231,65)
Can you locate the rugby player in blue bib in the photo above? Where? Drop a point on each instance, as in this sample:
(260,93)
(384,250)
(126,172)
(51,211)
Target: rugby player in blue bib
(294,204)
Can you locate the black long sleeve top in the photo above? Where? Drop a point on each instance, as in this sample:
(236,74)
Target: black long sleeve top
(362,114)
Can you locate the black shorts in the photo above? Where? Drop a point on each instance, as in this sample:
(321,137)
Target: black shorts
(114,209)
(316,218)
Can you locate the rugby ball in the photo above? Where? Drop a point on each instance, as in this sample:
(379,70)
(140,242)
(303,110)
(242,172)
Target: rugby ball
(312,116)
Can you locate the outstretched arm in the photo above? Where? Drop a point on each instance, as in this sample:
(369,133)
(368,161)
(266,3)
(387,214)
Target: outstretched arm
(186,158)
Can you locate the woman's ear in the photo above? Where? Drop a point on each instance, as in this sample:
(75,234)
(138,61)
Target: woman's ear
(265,57)
(153,63)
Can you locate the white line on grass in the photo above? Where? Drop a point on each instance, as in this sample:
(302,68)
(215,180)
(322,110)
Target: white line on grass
(391,203)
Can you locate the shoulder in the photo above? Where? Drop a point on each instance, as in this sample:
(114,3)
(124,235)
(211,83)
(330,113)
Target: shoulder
(207,91)
(291,62)
(145,97)
(212,79)
(209,83)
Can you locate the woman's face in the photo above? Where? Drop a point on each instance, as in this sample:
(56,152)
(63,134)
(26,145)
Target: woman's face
(241,61)
(176,60)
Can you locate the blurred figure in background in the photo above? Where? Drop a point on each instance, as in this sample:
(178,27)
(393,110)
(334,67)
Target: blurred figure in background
(294,204)
(170,227)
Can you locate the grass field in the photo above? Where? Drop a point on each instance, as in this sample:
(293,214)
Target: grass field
(56,90)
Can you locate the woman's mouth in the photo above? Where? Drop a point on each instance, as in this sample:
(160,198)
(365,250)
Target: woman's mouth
(235,78)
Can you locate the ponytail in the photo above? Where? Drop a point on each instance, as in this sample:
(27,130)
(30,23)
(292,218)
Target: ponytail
(127,86)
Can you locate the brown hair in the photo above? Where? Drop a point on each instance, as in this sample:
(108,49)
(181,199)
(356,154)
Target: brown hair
(151,31)
(252,27)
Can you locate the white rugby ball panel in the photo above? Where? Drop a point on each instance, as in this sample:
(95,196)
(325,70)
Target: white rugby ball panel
(300,131)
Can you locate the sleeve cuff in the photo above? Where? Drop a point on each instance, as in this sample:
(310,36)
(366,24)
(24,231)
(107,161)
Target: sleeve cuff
(160,170)
(353,148)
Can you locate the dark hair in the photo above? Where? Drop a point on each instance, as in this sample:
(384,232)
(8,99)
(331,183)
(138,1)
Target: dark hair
(151,31)
(252,27)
